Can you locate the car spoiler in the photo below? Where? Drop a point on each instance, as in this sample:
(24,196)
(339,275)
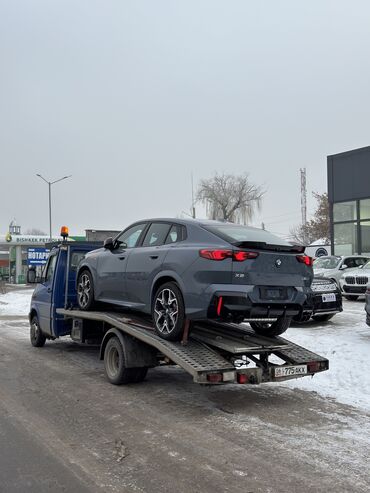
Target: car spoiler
(261,245)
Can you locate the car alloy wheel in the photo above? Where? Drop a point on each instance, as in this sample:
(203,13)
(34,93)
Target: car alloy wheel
(84,290)
(166,310)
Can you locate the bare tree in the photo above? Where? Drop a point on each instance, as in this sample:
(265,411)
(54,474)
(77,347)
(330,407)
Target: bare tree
(230,197)
(317,228)
(35,232)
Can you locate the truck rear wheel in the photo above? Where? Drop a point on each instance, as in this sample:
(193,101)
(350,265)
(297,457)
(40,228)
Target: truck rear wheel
(37,338)
(114,364)
(273,329)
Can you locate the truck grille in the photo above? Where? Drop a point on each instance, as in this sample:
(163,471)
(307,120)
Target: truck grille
(357,280)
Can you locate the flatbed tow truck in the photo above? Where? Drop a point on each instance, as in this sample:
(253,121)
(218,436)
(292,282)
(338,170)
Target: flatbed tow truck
(212,352)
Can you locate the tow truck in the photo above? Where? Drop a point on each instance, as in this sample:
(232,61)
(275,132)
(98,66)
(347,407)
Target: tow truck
(211,352)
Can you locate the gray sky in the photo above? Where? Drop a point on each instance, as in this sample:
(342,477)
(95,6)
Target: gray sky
(131,96)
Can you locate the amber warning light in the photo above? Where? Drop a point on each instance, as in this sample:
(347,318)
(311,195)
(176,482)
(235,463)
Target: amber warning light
(64,232)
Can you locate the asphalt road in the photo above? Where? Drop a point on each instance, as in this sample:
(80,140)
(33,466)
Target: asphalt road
(64,428)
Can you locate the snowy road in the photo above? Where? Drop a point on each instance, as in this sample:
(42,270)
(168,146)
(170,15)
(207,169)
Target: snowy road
(169,434)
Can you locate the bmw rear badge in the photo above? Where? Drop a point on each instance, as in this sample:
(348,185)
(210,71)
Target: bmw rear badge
(278,262)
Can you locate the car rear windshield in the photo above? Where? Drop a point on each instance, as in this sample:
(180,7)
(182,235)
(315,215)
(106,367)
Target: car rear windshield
(245,236)
(326,262)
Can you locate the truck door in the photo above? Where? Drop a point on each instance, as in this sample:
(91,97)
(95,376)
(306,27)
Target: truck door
(44,295)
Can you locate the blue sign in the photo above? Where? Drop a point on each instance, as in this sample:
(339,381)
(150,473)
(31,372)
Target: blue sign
(37,256)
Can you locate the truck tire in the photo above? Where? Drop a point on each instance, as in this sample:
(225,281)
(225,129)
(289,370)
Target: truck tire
(85,290)
(271,329)
(114,364)
(322,318)
(168,312)
(37,338)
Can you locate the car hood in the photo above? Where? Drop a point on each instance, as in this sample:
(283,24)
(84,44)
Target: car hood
(322,272)
(357,272)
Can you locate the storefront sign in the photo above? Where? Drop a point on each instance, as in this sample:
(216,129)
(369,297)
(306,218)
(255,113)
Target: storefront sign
(37,256)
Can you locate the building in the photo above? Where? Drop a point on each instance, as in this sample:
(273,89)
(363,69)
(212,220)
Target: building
(100,234)
(349,201)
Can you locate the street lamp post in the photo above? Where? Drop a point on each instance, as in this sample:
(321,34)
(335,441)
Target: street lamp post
(49,185)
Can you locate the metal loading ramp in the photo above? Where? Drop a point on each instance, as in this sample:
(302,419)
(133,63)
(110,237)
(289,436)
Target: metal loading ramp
(195,357)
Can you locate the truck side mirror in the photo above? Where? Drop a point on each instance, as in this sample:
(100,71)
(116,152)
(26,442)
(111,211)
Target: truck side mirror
(108,243)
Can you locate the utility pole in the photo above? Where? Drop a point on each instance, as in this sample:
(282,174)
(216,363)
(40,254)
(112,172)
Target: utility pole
(49,185)
(304,202)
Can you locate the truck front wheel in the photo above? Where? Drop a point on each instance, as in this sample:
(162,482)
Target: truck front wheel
(37,338)
(114,364)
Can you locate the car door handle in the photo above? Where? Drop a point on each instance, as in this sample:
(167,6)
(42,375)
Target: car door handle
(154,257)
(49,290)
(122,258)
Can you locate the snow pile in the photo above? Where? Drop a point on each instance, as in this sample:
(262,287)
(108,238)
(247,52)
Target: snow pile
(345,341)
(16,303)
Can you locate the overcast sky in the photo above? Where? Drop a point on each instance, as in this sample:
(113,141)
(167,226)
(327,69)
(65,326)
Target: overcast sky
(130,97)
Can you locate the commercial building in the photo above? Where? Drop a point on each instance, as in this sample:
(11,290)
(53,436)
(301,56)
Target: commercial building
(349,201)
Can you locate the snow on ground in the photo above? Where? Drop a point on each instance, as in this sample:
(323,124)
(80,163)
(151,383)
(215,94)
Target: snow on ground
(344,340)
(15,302)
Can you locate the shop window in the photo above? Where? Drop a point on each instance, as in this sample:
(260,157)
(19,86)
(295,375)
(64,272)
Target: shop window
(345,239)
(365,209)
(365,237)
(344,211)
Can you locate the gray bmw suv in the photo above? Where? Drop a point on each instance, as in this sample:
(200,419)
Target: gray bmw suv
(176,269)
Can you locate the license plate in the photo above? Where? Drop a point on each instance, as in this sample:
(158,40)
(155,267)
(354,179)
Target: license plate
(273,293)
(328,297)
(289,371)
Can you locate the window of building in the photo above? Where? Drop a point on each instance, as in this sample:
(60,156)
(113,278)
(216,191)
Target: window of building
(365,237)
(345,211)
(345,239)
(365,209)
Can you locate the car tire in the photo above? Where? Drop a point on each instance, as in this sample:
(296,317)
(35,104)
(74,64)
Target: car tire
(168,312)
(37,337)
(351,297)
(322,318)
(271,329)
(114,365)
(85,290)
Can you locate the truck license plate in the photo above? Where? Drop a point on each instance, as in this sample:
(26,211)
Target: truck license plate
(289,371)
(328,297)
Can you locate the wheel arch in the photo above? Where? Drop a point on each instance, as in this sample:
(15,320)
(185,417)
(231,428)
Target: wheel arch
(161,279)
(136,353)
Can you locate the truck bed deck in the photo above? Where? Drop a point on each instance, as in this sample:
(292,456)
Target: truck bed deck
(214,347)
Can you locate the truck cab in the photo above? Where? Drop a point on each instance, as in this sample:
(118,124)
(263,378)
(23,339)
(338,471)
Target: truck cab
(57,288)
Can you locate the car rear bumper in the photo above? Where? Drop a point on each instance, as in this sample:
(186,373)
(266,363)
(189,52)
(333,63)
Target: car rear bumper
(246,301)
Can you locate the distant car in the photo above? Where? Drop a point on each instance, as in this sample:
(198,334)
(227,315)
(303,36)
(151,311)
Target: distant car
(333,267)
(179,270)
(354,283)
(323,303)
(367,304)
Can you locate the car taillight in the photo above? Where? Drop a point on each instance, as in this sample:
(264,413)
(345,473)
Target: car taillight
(238,256)
(241,256)
(305,259)
(216,254)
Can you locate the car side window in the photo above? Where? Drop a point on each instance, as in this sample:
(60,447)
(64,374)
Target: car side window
(175,234)
(50,268)
(130,237)
(156,234)
(359,261)
(350,262)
